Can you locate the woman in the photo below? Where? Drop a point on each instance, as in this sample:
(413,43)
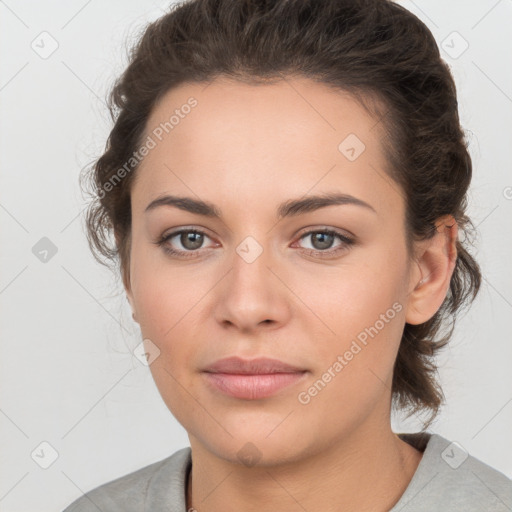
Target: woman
(286,183)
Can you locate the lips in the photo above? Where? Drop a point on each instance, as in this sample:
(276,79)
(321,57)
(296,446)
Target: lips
(251,379)
(262,365)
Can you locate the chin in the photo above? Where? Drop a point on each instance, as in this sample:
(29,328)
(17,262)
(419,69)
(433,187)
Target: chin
(258,452)
(267,442)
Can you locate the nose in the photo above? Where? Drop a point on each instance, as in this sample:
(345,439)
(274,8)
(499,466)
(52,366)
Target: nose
(252,296)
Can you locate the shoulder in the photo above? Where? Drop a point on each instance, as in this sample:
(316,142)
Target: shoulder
(163,481)
(449,478)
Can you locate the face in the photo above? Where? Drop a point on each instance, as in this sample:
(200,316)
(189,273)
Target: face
(321,287)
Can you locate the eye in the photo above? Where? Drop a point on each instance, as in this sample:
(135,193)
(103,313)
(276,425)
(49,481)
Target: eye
(322,242)
(191,241)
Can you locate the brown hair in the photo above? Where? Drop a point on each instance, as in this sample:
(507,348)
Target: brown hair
(374,49)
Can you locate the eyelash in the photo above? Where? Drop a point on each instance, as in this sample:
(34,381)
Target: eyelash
(346,243)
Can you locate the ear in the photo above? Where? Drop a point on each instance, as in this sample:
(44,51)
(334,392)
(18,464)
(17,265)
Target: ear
(126,280)
(433,269)
(129,296)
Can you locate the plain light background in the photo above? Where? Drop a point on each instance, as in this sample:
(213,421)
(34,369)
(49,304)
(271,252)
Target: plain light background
(67,374)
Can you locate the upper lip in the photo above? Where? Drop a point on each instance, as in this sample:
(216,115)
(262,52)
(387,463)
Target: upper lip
(261,365)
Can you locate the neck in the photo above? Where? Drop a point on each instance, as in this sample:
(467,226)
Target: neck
(365,472)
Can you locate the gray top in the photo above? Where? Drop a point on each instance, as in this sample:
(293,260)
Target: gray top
(447,479)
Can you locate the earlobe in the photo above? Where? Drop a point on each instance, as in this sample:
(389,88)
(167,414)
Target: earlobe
(129,295)
(132,306)
(125,272)
(436,258)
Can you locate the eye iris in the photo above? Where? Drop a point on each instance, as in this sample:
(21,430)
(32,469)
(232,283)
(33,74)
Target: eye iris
(196,240)
(325,240)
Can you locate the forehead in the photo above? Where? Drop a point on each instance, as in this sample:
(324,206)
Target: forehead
(282,138)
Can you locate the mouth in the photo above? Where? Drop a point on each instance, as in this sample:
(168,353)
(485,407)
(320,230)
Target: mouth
(251,379)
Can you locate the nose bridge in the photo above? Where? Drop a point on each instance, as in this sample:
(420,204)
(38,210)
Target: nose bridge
(249,278)
(251,294)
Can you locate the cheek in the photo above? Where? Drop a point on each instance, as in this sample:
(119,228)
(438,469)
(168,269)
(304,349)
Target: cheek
(165,295)
(169,302)
(358,314)
(167,308)
(354,366)
(347,299)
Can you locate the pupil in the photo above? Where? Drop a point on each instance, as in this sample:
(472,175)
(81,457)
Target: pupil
(321,237)
(191,241)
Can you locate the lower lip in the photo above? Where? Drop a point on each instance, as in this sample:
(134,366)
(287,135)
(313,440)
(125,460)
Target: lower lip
(252,387)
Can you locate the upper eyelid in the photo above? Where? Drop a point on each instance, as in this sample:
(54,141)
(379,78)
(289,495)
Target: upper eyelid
(337,231)
(303,232)
(172,233)
(179,231)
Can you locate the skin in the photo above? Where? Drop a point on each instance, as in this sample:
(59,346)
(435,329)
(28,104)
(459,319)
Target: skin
(246,149)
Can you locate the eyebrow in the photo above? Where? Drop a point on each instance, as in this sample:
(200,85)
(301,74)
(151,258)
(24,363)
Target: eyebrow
(290,208)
